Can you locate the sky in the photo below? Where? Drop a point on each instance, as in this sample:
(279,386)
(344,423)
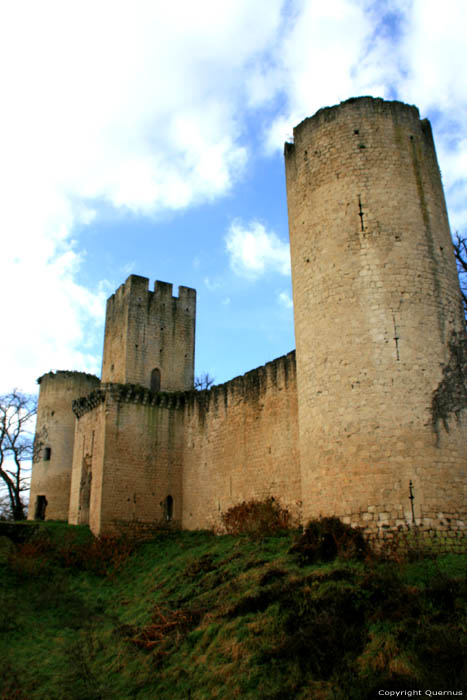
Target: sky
(146,137)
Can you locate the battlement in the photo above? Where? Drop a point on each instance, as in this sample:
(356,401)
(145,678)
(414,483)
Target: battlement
(249,387)
(128,393)
(137,287)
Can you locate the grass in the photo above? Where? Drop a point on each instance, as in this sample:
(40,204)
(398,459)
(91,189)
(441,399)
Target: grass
(194,615)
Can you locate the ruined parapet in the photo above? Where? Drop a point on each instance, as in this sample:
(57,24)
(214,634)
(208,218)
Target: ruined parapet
(129,393)
(378,315)
(150,336)
(250,387)
(53,443)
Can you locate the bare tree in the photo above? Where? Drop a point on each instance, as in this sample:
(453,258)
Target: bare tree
(17,411)
(460,251)
(203,381)
(5,510)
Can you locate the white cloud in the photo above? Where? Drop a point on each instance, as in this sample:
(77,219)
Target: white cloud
(143,106)
(254,251)
(285,300)
(136,105)
(212,285)
(434,53)
(314,62)
(412,50)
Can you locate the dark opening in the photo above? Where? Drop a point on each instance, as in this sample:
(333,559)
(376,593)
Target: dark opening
(85,489)
(168,508)
(47,453)
(41,505)
(155,380)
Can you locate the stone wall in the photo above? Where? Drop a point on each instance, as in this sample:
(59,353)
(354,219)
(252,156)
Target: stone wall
(143,459)
(205,451)
(241,442)
(378,316)
(88,461)
(136,462)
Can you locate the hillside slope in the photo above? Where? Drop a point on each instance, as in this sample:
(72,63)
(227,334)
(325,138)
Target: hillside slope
(193,615)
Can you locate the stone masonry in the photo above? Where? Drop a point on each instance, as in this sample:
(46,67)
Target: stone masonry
(375,398)
(377,316)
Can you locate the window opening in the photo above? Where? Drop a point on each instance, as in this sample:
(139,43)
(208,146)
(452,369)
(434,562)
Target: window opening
(155,380)
(168,508)
(47,453)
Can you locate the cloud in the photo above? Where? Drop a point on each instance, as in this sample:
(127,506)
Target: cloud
(285,300)
(47,314)
(136,107)
(434,53)
(314,63)
(411,50)
(146,107)
(212,285)
(254,251)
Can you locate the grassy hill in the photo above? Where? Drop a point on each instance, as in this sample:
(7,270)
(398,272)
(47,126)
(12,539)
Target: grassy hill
(194,615)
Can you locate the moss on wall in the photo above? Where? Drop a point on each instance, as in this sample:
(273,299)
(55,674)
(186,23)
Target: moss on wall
(450,397)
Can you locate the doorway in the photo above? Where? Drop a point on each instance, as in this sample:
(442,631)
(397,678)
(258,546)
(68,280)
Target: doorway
(41,505)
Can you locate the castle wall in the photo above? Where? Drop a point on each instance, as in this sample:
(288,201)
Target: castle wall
(376,400)
(378,316)
(88,459)
(147,331)
(241,442)
(53,446)
(133,441)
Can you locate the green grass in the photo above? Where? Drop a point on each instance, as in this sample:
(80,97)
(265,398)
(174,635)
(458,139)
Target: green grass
(193,615)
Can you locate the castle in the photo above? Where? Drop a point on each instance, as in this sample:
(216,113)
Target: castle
(368,412)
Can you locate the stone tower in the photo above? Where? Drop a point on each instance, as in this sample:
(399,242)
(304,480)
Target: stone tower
(150,336)
(379,324)
(53,445)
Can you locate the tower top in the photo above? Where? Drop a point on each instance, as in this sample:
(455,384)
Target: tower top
(362,106)
(149,336)
(136,285)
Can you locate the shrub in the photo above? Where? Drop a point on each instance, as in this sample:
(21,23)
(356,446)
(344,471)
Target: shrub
(101,555)
(324,539)
(167,627)
(256,518)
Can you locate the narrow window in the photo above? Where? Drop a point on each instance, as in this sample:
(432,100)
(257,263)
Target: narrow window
(41,505)
(155,380)
(47,453)
(168,508)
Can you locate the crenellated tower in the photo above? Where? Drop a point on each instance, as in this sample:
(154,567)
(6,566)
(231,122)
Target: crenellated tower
(150,336)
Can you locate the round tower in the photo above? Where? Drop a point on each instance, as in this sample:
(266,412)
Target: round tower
(53,442)
(379,324)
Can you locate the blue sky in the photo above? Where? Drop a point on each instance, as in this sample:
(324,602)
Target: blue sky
(147,138)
